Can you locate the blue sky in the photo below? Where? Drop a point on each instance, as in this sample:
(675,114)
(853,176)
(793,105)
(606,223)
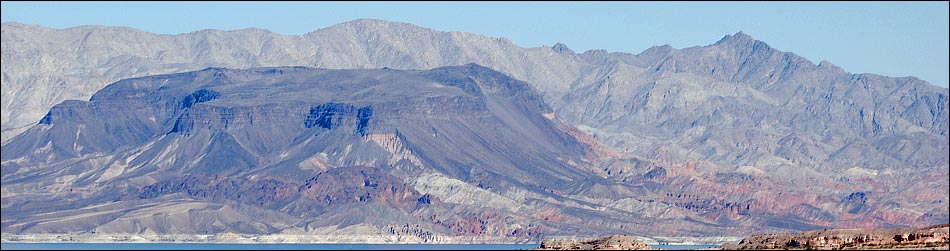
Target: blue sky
(888,38)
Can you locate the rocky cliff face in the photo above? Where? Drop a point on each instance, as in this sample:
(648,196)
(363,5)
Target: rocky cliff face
(929,238)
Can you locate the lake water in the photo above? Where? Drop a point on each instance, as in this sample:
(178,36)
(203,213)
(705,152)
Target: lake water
(209,246)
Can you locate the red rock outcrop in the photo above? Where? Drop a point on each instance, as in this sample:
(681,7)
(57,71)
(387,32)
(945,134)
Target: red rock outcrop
(933,237)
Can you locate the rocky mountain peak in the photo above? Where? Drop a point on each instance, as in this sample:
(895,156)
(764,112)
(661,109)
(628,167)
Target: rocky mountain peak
(742,42)
(657,49)
(561,48)
(374,25)
(738,38)
(255,30)
(655,53)
(12,24)
(824,64)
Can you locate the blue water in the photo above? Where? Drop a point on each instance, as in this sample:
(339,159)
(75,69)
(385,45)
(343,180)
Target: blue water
(208,246)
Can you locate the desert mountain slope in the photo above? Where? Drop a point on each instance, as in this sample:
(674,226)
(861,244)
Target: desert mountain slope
(720,139)
(461,150)
(735,102)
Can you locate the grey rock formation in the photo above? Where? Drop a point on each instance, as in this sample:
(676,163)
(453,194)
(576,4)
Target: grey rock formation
(615,242)
(736,102)
(734,133)
(936,237)
(293,142)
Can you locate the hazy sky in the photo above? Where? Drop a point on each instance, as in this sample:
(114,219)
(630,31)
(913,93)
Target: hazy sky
(888,38)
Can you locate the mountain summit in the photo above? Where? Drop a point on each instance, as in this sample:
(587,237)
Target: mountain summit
(739,38)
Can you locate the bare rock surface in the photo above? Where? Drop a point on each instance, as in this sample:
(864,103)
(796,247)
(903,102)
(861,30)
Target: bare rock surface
(613,242)
(301,150)
(722,140)
(935,237)
(737,102)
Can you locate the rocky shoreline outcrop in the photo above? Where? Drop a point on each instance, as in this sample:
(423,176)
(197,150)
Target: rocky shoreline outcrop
(614,242)
(935,237)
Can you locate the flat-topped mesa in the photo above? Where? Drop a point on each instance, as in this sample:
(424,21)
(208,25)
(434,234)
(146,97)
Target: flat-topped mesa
(291,100)
(300,142)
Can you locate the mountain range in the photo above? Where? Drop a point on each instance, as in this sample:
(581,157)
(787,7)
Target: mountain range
(722,139)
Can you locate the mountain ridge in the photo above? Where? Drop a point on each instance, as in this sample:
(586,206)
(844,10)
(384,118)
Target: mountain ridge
(377,22)
(553,90)
(685,124)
